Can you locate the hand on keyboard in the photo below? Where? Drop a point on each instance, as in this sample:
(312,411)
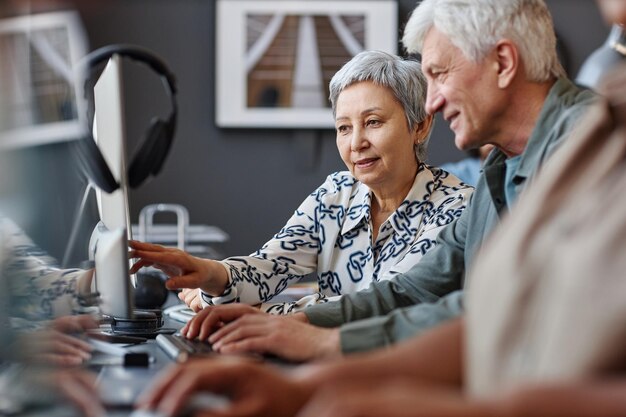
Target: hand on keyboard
(180,348)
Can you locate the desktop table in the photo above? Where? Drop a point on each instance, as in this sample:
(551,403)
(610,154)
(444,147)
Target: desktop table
(28,391)
(120,385)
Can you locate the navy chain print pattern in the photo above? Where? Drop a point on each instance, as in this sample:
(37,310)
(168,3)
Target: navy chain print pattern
(330,235)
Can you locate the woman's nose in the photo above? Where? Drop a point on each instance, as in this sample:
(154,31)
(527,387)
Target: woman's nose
(358,139)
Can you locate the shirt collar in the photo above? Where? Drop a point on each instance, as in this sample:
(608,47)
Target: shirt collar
(562,94)
(359,209)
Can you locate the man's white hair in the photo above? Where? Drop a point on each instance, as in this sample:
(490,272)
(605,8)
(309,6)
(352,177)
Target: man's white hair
(475,26)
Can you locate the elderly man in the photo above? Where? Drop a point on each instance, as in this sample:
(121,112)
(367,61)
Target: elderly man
(493,73)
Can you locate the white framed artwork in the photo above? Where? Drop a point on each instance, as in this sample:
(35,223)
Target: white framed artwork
(274,59)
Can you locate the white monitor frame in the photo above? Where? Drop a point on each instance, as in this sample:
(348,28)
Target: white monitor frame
(113,281)
(110,136)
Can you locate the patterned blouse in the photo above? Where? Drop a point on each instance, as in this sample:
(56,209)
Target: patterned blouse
(33,285)
(331,234)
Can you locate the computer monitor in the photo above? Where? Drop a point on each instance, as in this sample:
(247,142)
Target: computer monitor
(112,279)
(111,139)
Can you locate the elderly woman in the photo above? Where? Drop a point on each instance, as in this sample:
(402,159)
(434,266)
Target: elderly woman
(369,223)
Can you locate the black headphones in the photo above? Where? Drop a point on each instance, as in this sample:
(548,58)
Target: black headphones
(155,144)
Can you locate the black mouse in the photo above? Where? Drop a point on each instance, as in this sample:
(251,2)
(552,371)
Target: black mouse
(150,292)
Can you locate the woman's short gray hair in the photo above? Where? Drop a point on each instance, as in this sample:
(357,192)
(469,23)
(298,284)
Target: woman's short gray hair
(403,77)
(475,26)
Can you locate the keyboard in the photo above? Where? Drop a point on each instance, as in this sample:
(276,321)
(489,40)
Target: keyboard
(179,348)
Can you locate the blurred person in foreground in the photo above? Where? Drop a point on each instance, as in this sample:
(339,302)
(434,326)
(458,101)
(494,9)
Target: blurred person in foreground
(491,81)
(364,225)
(543,334)
(40,344)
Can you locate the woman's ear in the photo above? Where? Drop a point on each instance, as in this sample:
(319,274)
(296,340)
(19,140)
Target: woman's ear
(422,130)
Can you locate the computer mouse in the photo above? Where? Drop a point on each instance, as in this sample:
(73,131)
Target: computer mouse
(150,292)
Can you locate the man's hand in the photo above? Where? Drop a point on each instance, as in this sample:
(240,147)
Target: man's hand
(240,328)
(282,336)
(182,269)
(253,389)
(390,398)
(210,319)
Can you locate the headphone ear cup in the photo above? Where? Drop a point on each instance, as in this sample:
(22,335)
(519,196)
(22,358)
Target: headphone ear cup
(150,155)
(93,164)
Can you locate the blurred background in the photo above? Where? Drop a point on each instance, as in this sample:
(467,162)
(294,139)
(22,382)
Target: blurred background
(247,181)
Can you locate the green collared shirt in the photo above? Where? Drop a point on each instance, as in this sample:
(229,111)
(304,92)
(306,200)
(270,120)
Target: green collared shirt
(430,292)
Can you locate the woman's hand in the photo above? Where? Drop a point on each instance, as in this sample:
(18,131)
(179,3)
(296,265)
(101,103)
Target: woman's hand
(182,269)
(191,297)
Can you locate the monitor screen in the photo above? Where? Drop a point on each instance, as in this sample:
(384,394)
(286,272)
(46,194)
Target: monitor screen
(112,279)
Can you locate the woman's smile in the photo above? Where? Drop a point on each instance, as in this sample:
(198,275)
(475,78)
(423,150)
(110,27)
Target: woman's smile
(366,163)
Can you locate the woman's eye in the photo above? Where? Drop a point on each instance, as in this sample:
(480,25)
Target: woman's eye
(373,122)
(342,129)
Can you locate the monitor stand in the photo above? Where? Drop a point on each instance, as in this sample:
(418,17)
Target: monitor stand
(144,323)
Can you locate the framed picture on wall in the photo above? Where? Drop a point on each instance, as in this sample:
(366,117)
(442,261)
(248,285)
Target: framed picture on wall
(39,101)
(274,59)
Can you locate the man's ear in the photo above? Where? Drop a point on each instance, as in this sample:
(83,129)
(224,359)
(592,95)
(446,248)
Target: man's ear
(508,62)
(423,129)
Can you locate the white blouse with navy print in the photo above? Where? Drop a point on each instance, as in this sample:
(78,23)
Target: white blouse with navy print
(331,234)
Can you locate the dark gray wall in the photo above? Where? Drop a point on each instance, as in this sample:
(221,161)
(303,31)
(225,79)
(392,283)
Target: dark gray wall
(247,181)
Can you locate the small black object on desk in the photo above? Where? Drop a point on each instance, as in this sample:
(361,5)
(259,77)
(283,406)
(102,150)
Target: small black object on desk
(144,323)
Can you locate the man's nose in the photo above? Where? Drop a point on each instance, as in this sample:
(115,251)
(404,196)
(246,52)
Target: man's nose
(434,101)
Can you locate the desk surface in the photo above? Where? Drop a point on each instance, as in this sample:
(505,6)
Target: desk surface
(119,386)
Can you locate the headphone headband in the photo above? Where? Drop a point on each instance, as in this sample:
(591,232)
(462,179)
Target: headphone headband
(138,53)
(154,147)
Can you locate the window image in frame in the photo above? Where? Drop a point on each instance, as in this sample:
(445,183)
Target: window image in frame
(275,59)
(39,100)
